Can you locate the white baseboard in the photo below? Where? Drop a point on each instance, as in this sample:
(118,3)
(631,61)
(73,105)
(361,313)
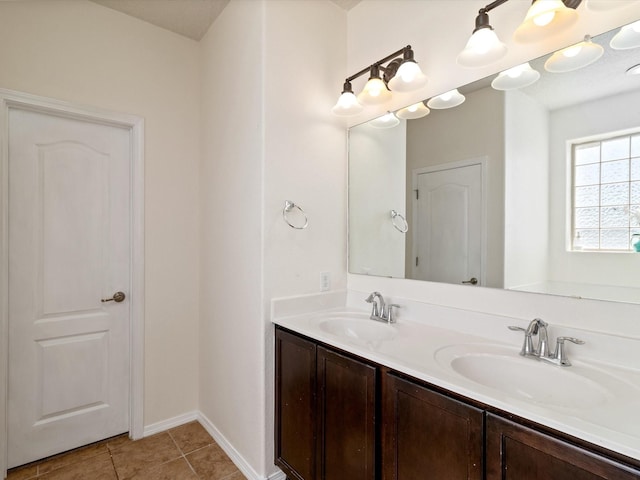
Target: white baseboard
(246,469)
(170,423)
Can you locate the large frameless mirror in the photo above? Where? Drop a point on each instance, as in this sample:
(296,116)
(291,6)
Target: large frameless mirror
(533,188)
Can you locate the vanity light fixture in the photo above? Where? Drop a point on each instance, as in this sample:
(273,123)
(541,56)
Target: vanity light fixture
(375,91)
(545,18)
(388,120)
(517,77)
(449,99)
(628,37)
(408,77)
(417,110)
(347,103)
(574,57)
(401,74)
(484,47)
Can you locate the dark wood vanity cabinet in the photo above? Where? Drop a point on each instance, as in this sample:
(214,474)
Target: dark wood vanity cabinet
(325,412)
(347,417)
(295,412)
(428,435)
(516,452)
(342,418)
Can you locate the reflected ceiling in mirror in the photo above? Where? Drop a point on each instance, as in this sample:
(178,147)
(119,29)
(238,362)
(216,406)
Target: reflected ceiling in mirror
(486,187)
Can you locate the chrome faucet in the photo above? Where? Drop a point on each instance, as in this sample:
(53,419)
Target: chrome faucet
(380,310)
(538,327)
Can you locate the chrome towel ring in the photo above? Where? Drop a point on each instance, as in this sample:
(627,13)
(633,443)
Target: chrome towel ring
(404,227)
(288,207)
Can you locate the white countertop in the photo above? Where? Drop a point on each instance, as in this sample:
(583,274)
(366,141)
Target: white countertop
(416,350)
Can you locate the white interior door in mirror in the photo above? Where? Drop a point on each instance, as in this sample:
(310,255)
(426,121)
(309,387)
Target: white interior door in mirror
(448,238)
(69,222)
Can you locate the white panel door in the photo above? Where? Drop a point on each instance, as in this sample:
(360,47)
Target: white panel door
(69,234)
(449,236)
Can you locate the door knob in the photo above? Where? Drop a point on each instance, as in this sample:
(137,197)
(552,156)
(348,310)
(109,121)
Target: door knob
(117,297)
(472,281)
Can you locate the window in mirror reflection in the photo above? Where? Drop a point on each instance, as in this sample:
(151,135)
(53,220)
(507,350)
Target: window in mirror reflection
(606,193)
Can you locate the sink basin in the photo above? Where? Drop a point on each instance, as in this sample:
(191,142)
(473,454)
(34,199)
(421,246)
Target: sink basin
(363,329)
(504,370)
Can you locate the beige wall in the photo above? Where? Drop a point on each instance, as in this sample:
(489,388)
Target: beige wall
(231,326)
(265,140)
(77,51)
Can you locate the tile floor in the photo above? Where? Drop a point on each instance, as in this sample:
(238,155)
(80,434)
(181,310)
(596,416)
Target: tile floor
(186,452)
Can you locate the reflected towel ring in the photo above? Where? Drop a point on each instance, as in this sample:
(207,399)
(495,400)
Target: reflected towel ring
(288,207)
(404,228)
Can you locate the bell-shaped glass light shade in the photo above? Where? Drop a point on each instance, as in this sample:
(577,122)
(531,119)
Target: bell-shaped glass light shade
(388,120)
(516,77)
(635,70)
(574,57)
(628,37)
(601,5)
(375,92)
(417,110)
(347,105)
(483,48)
(409,77)
(544,18)
(449,99)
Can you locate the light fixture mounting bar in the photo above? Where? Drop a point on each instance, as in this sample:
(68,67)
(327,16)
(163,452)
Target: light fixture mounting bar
(379,63)
(491,6)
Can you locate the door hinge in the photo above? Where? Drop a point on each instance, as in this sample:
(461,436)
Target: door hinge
(417,194)
(417,261)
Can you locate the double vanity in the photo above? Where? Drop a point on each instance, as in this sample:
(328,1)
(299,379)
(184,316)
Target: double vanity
(447,394)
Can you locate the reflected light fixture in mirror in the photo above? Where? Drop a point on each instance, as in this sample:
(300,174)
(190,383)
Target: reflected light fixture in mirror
(347,103)
(635,70)
(628,37)
(574,57)
(388,120)
(484,47)
(517,77)
(449,99)
(402,74)
(417,110)
(545,18)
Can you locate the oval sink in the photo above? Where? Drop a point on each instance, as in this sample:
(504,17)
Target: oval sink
(504,370)
(358,329)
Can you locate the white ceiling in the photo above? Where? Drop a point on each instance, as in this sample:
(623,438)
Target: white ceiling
(191,18)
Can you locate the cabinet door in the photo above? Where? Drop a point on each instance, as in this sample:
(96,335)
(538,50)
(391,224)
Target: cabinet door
(428,435)
(295,402)
(347,417)
(515,452)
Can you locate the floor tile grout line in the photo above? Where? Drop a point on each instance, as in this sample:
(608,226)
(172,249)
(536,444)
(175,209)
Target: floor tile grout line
(183,454)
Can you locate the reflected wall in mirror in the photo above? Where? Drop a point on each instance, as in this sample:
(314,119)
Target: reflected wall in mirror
(490,191)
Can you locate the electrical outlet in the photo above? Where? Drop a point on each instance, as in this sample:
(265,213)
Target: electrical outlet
(325,281)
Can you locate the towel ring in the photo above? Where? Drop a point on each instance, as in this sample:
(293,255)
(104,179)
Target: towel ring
(404,228)
(288,207)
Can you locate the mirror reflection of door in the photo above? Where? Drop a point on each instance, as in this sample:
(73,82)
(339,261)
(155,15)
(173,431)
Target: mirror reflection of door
(448,216)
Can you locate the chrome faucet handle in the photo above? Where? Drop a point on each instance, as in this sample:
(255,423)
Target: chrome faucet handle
(527,346)
(560,355)
(390,316)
